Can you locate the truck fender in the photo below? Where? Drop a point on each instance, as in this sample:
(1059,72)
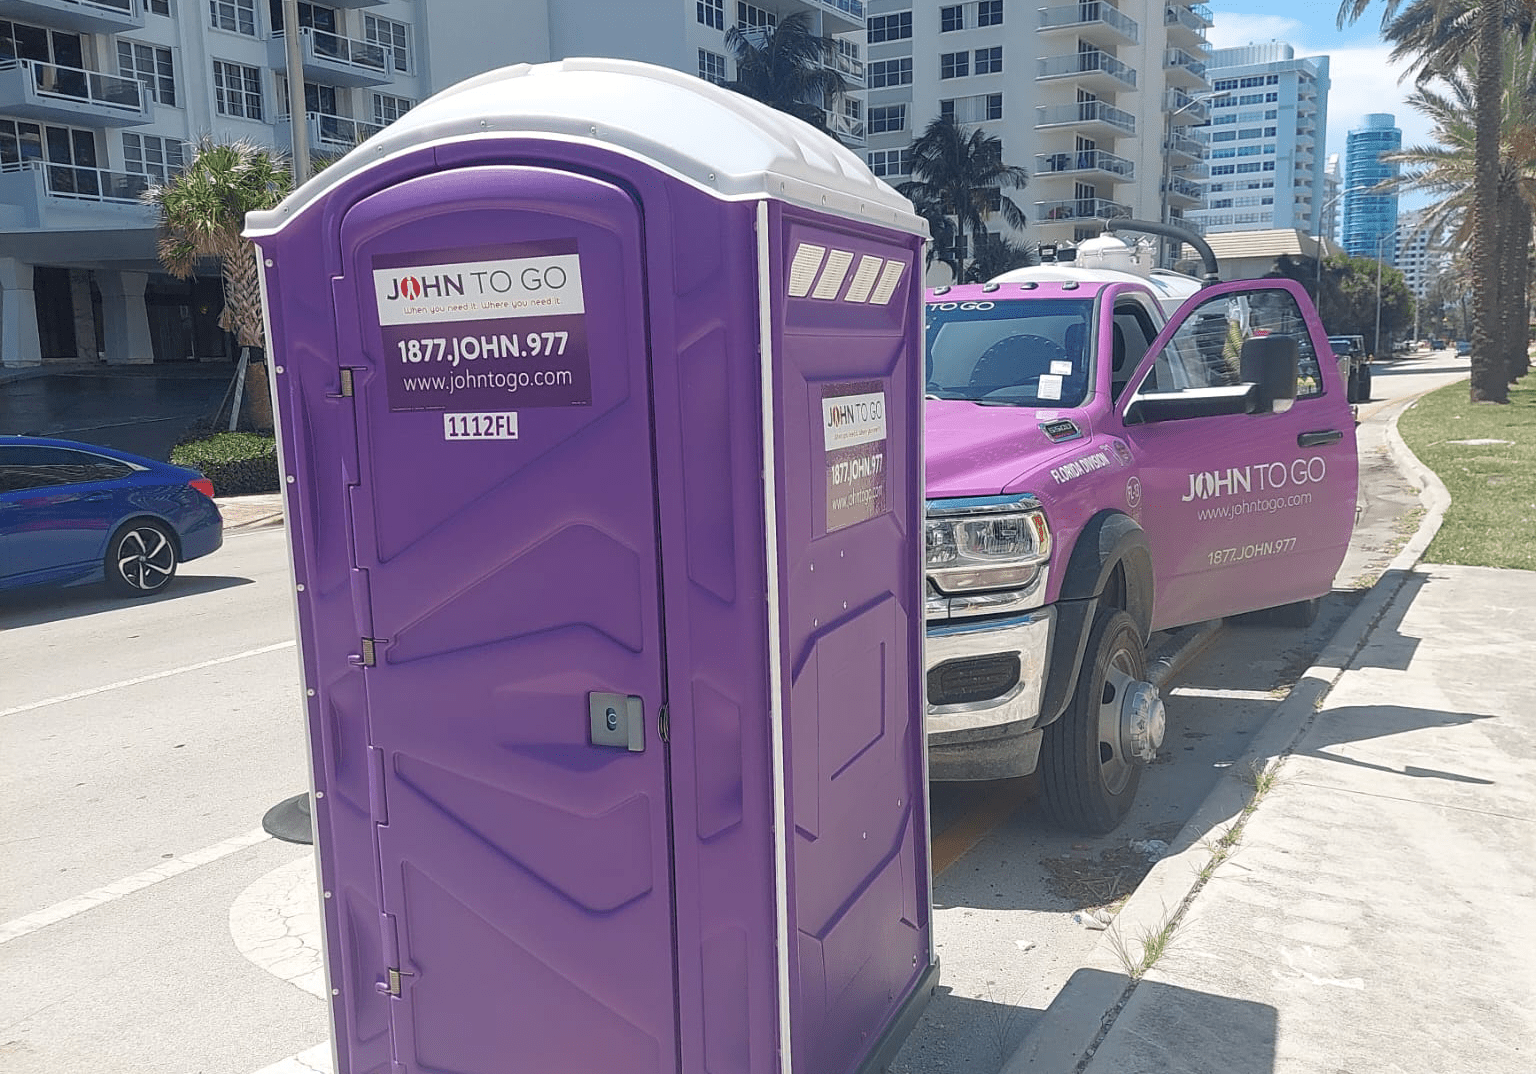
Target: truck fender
(1111,563)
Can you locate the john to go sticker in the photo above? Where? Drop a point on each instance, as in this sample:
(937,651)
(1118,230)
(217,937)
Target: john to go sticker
(493,326)
(853,439)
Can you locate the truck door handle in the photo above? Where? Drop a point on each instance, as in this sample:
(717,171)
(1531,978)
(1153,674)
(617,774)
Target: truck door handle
(1319,437)
(617,720)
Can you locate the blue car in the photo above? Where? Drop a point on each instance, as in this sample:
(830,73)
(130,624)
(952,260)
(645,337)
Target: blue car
(73,514)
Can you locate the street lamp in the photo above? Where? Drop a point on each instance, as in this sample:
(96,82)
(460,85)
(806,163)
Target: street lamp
(1317,282)
(1167,215)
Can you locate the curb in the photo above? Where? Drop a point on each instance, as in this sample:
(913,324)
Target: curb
(1069,1031)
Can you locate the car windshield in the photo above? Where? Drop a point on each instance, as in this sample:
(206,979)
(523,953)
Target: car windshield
(1029,352)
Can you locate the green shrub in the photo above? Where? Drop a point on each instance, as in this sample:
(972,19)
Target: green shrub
(238,464)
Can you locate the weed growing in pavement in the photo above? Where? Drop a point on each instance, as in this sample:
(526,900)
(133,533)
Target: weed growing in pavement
(1003,1014)
(1154,944)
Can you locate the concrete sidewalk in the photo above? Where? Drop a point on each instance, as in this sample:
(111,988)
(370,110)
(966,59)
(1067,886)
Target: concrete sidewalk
(1377,909)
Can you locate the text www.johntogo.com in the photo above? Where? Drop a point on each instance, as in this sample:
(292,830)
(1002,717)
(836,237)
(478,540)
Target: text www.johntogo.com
(1255,507)
(510,381)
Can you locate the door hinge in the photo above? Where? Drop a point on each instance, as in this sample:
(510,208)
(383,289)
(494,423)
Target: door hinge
(664,723)
(368,658)
(346,382)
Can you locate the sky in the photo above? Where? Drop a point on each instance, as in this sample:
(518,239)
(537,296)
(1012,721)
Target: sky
(1363,80)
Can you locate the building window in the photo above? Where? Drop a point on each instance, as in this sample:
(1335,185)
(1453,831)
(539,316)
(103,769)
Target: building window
(896,27)
(754,16)
(989,13)
(392,36)
(989,61)
(237,16)
(157,158)
(891,161)
(237,90)
(151,65)
(1224,84)
(711,66)
(387,109)
(890,73)
(712,13)
(887,120)
(978,109)
(951,18)
(954,64)
(158,7)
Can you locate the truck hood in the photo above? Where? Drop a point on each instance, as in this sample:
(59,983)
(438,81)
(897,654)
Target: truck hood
(975,450)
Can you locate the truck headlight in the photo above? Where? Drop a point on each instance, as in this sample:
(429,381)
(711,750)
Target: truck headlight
(995,543)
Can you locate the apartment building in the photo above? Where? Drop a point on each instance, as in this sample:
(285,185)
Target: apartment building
(1370,219)
(1267,129)
(1098,100)
(98,99)
(1420,256)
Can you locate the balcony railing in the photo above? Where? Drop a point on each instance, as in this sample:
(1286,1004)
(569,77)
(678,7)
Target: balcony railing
(77,84)
(336,132)
(1081,63)
(1180,103)
(848,129)
(347,51)
(1080,209)
(1174,15)
(84,184)
(1179,185)
(1178,58)
(1190,147)
(852,8)
(1090,13)
(86,16)
(1084,160)
(1085,112)
(851,68)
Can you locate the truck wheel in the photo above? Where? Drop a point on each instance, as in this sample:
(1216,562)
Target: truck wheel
(1365,384)
(1091,757)
(1352,386)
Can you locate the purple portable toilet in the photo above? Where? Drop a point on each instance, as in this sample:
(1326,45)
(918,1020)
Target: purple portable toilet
(599,395)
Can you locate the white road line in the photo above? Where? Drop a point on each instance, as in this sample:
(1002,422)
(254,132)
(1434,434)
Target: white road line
(61,911)
(145,678)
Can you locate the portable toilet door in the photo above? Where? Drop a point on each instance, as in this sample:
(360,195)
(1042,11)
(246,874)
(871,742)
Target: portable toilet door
(550,809)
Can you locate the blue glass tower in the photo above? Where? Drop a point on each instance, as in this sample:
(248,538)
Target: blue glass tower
(1370,217)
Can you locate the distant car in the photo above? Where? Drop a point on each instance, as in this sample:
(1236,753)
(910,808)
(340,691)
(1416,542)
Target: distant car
(1357,379)
(1463,346)
(73,514)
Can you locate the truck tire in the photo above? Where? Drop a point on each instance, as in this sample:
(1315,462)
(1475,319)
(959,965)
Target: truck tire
(1352,385)
(1087,784)
(1365,384)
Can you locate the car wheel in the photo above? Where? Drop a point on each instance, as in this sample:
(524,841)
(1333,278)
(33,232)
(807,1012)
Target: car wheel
(1088,772)
(141,559)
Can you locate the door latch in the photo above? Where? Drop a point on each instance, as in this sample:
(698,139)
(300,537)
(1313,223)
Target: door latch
(617,720)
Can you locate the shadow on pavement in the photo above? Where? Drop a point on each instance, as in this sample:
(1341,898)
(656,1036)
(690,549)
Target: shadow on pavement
(33,607)
(1167,1028)
(1341,726)
(957,1033)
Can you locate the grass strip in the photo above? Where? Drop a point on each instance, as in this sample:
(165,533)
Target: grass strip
(1485,453)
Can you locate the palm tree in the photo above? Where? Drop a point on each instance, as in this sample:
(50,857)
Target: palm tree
(202,211)
(786,67)
(959,178)
(1444,32)
(1447,169)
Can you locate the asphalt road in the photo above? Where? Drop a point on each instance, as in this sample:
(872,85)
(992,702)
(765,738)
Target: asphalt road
(143,742)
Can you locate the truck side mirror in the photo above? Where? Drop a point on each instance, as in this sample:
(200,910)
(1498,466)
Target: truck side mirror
(1271,362)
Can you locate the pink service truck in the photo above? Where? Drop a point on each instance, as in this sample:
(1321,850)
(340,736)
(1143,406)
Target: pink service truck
(1114,450)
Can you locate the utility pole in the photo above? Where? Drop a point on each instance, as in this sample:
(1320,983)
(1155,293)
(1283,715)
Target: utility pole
(298,117)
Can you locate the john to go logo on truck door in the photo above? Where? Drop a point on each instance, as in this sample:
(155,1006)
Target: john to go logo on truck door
(484,329)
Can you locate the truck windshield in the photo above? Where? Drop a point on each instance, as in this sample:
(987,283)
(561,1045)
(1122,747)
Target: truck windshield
(1028,352)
